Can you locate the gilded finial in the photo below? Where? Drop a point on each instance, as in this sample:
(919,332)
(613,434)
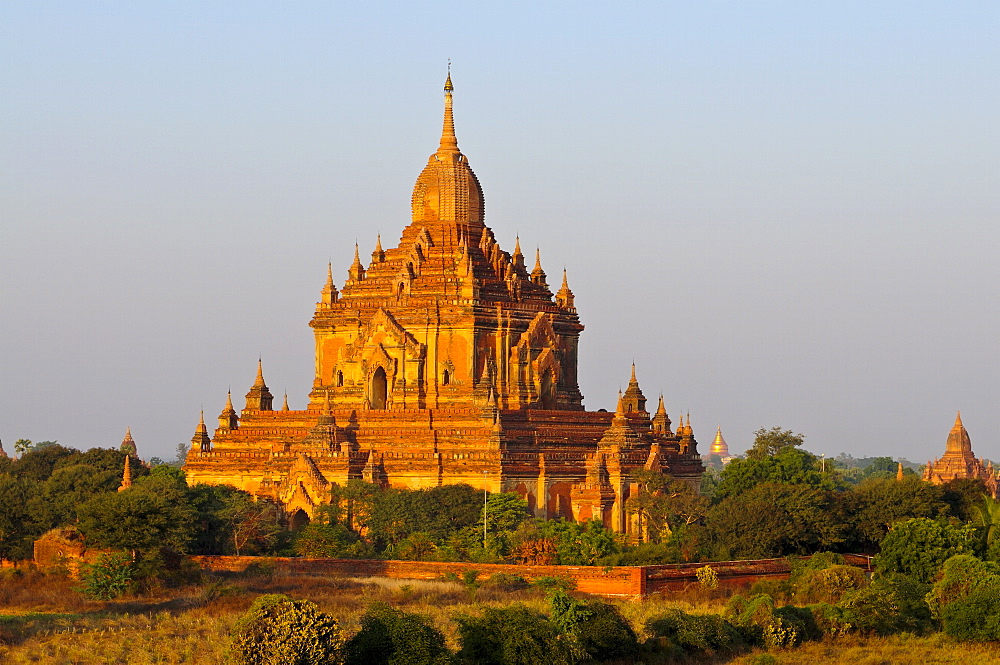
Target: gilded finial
(284,406)
(449,143)
(517,245)
(633,380)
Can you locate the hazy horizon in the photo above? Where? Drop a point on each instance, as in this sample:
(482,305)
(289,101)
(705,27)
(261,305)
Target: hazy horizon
(785,214)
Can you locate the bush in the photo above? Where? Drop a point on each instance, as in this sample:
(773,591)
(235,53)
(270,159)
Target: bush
(514,635)
(694,633)
(967,599)
(707,578)
(549,582)
(828,584)
(762,624)
(830,620)
(318,540)
(277,630)
(392,637)
(893,603)
(108,577)
(959,576)
(598,630)
(506,582)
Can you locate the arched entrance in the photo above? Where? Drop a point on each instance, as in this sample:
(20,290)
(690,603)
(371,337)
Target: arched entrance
(298,520)
(380,389)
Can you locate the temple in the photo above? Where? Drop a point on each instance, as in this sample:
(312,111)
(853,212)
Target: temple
(446,360)
(959,462)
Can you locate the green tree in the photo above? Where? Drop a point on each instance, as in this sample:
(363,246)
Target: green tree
(37,464)
(17,522)
(918,547)
(598,630)
(155,513)
(987,517)
(664,504)
(324,540)
(769,442)
(788,465)
(878,503)
(775,519)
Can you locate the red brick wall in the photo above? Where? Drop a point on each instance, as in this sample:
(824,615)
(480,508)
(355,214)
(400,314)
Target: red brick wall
(622,581)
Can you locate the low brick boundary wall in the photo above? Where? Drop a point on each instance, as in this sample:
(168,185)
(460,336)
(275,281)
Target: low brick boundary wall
(614,581)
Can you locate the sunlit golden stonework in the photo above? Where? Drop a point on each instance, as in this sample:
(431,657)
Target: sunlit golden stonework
(959,462)
(446,360)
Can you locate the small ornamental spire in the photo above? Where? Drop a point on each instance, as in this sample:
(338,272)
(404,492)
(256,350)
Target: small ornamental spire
(284,405)
(126,474)
(661,410)
(128,443)
(259,398)
(378,256)
(899,470)
(228,418)
(201,441)
(537,274)
(330,293)
(565,298)
(517,257)
(356,271)
(449,143)
(620,408)
(632,380)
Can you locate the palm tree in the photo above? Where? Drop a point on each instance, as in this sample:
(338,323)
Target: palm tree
(988,517)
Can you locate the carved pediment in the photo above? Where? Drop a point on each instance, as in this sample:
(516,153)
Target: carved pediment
(383,321)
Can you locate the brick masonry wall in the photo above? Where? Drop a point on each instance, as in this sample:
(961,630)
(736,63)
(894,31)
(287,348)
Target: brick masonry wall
(618,581)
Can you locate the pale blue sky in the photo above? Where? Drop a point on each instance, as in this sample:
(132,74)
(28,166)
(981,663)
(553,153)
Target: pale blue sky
(785,212)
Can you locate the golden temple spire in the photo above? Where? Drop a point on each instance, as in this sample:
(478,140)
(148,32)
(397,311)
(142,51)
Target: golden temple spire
(719,446)
(537,274)
(201,441)
(378,255)
(565,297)
(449,142)
(284,406)
(661,410)
(632,380)
(356,271)
(229,401)
(899,470)
(260,376)
(126,475)
(329,293)
(620,409)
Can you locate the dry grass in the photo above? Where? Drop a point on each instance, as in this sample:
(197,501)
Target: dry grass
(43,621)
(937,649)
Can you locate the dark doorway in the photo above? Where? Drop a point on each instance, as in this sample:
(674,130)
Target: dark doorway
(298,520)
(380,389)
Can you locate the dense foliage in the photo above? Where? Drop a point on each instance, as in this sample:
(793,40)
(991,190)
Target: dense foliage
(277,630)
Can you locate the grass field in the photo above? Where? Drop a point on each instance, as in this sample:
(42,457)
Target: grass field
(42,620)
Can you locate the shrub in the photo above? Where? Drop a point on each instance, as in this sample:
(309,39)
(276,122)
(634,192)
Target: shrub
(548,582)
(514,635)
(959,576)
(707,578)
(761,623)
(277,630)
(598,630)
(693,633)
(506,582)
(893,603)
(319,540)
(391,637)
(830,620)
(967,599)
(828,584)
(108,577)
(976,617)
